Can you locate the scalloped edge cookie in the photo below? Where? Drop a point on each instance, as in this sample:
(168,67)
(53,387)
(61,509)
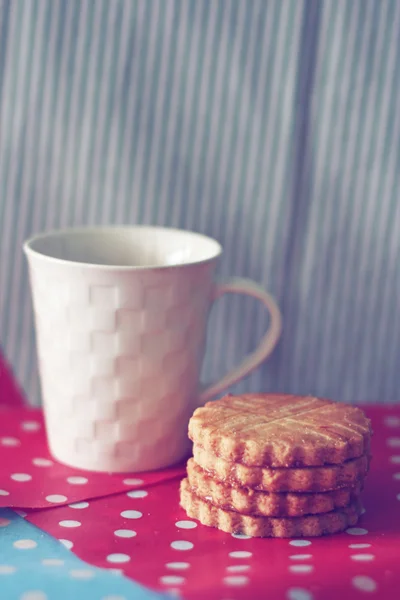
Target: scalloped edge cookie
(275,430)
(233,522)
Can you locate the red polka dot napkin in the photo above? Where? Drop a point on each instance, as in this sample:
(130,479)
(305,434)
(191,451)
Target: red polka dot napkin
(31,478)
(134,525)
(147,536)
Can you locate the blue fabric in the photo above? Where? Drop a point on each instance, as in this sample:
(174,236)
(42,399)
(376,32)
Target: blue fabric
(272,125)
(27,573)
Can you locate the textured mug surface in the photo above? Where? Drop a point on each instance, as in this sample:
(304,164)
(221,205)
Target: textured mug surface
(121,319)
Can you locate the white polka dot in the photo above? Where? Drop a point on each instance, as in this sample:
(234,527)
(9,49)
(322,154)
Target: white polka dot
(25,544)
(240,554)
(362,511)
(182,545)
(21,513)
(241,536)
(398,496)
(396,476)
(79,505)
(356,546)
(4,493)
(42,462)
(118,558)
(131,514)
(395,460)
(364,583)
(300,543)
(67,543)
(298,594)
(69,523)
(300,556)
(7,570)
(362,557)
(238,568)
(77,480)
(9,441)
(172,580)
(21,477)
(34,595)
(56,498)
(178,566)
(186,524)
(393,442)
(300,569)
(125,533)
(137,494)
(52,562)
(133,481)
(30,426)
(236,580)
(392,421)
(4,522)
(81,574)
(357,531)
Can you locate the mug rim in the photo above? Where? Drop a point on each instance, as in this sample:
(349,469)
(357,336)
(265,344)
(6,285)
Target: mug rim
(30,251)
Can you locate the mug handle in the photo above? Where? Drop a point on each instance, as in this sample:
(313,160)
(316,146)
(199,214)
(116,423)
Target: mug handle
(247,287)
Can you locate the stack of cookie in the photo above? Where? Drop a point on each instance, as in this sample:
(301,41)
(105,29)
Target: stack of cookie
(269,465)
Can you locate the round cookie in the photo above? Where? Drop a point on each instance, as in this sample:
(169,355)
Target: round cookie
(275,430)
(306,479)
(265,504)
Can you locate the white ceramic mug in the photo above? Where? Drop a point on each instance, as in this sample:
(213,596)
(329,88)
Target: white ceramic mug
(121,317)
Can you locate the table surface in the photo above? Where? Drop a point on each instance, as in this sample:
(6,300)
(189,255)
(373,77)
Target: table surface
(130,529)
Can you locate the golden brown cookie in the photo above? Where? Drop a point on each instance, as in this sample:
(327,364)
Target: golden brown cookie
(274,430)
(306,479)
(265,504)
(233,522)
